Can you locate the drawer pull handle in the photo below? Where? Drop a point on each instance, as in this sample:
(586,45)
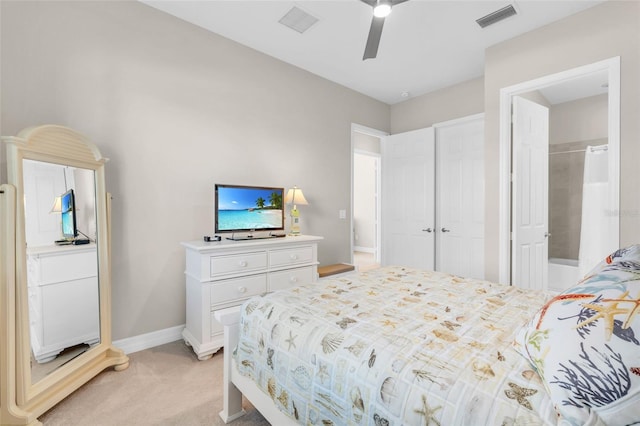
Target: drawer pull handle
(293,279)
(242,263)
(294,257)
(242,289)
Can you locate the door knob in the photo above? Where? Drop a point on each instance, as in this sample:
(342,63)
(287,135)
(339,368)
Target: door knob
(445,230)
(427,230)
(547,234)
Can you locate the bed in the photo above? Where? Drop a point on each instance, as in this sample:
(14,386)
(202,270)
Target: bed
(400,346)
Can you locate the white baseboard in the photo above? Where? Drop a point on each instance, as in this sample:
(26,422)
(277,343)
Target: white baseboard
(364,249)
(149,340)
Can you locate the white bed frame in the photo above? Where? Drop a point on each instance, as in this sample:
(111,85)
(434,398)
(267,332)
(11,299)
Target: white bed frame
(236,385)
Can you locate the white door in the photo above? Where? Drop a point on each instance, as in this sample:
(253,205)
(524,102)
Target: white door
(43,182)
(408,194)
(529,248)
(460,197)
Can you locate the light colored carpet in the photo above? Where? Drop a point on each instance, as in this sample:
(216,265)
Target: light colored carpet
(165,385)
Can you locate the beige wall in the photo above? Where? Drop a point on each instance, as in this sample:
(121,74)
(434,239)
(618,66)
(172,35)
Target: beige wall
(572,127)
(365,142)
(364,202)
(457,101)
(580,120)
(177,109)
(364,183)
(604,31)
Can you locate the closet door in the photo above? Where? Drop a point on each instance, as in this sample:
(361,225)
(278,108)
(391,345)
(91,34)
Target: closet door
(460,196)
(408,193)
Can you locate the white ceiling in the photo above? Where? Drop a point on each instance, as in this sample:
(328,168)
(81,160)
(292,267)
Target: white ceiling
(426,45)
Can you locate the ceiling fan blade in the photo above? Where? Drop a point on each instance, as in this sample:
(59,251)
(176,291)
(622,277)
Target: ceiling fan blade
(375,32)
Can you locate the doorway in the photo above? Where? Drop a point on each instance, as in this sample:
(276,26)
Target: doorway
(512,265)
(366,184)
(365,197)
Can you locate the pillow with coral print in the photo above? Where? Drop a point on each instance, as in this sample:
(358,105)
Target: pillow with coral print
(628,257)
(585,345)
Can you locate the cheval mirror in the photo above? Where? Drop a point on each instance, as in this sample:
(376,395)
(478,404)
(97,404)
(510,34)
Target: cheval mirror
(55,272)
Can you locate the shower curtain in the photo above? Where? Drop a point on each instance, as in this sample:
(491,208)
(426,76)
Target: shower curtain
(596,234)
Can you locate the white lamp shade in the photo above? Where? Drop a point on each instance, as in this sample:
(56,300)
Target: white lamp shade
(295,196)
(57,205)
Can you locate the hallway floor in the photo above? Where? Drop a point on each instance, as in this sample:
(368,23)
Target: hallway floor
(364,261)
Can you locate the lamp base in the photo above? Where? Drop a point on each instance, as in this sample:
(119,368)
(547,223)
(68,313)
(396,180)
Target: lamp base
(295,223)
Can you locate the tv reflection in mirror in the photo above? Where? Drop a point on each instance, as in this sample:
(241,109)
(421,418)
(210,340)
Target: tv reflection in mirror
(68,208)
(68,215)
(242,210)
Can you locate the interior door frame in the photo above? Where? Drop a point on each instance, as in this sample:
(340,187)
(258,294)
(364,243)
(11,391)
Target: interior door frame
(357,128)
(612,66)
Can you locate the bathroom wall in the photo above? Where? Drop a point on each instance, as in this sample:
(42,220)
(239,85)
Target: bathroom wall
(364,202)
(572,127)
(366,148)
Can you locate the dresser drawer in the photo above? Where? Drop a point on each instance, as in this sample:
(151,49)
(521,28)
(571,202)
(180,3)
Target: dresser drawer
(224,274)
(70,266)
(291,256)
(290,278)
(238,288)
(217,329)
(238,263)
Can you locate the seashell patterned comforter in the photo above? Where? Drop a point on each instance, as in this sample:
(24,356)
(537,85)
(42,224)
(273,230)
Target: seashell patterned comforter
(395,346)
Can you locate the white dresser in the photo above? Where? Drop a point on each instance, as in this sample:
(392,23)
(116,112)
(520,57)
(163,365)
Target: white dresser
(63,298)
(225,273)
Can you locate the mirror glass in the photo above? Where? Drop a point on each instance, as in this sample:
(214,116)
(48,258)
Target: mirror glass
(62,264)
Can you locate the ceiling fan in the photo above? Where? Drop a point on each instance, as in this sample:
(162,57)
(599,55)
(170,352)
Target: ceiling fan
(381,9)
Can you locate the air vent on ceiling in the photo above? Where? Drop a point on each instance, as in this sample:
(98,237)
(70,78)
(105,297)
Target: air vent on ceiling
(299,20)
(497,16)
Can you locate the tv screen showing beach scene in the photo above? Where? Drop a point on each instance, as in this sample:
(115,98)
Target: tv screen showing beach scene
(68,214)
(248,208)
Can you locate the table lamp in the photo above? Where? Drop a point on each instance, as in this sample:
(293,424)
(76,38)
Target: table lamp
(295,197)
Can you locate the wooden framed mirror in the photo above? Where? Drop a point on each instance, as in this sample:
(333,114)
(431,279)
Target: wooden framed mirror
(58,274)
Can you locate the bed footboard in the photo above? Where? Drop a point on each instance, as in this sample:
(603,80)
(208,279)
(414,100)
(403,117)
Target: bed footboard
(232,397)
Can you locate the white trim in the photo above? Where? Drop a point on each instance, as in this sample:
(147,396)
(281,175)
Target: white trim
(364,249)
(149,340)
(367,153)
(612,65)
(368,130)
(460,120)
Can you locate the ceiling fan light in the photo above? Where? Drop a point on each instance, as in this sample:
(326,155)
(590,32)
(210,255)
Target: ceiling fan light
(382,10)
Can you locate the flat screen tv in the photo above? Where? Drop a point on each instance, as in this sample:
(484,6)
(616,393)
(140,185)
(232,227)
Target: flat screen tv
(240,209)
(68,209)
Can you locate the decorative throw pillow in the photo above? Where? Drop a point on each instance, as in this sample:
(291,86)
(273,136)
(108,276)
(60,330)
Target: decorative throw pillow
(585,344)
(628,257)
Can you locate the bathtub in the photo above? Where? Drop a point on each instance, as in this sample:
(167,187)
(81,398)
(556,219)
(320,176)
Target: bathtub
(563,273)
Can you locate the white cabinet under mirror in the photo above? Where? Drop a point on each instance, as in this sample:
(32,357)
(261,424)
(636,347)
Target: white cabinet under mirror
(56,277)
(63,302)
